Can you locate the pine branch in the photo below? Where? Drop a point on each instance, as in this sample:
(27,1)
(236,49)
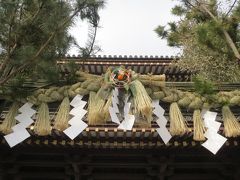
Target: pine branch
(34,58)
(189,4)
(90,47)
(9,49)
(226,34)
(6,59)
(230,9)
(93,40)
(92,36)
(32,18)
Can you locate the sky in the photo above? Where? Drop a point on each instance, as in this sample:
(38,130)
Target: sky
(127,28)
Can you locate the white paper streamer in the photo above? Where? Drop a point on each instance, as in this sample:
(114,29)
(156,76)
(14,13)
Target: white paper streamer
(114,109)
(161,121)
(129,119)
(127,123)
(77,125)
(215,141)
(20,133)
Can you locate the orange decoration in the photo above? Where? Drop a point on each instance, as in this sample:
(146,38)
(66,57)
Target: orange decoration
(120,77)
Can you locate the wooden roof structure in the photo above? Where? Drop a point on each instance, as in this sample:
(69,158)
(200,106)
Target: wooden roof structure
(64,163)
(103,152)
(143,65)
(109,132)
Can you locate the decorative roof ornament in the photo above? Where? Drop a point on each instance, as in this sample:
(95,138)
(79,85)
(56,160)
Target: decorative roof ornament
(138,110)
(120,77)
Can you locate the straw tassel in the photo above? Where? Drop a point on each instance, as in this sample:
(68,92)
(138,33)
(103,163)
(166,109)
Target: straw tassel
(178,124)
(42,126)
(198,126)
(95,109)
(10,121)
(141,100)
(106,114)
(91,109)
(62,118)
(231,125)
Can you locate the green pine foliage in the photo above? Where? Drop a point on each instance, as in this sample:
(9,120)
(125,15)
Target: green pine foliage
(203,86)
(34,35)
(162,33)
(178,10)
(201,34)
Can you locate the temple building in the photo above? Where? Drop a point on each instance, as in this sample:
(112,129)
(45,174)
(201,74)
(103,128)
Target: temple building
(103,151)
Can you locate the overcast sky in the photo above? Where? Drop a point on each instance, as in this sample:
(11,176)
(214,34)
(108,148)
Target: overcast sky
(127,28)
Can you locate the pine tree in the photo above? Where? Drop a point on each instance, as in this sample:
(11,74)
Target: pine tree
(34,35)
(208,36)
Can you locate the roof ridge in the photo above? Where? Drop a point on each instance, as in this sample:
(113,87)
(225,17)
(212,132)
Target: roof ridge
(124,56)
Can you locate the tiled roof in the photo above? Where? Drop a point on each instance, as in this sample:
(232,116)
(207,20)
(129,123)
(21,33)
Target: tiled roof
(140,64)
(132,57)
